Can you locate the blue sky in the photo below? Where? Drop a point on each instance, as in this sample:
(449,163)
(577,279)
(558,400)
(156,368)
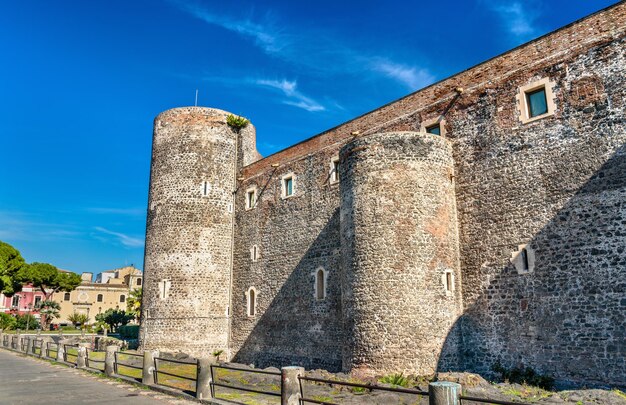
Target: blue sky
(81,82)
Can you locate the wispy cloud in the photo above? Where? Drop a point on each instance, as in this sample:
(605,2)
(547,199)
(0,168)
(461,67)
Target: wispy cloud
(21,226)
(319,52)
(517,18)
(294,97)
(412,77)
(135,212)
(265,34)
(122,238)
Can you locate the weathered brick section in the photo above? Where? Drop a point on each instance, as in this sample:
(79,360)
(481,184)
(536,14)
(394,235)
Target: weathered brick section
(555,184)
(398,240)
(189,234)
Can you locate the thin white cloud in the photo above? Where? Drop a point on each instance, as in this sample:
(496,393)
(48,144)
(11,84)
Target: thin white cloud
(412,77)
(319,52)
(518,20)
(294,97)
(118,211)
(265,35)
(122,238)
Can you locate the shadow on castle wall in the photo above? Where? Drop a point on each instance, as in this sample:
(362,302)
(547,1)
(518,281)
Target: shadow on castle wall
(567,317)
(297,329)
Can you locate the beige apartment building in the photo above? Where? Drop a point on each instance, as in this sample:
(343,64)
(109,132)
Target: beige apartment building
(110,290)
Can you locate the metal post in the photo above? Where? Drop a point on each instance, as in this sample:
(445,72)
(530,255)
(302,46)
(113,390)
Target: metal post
(109,360)
(147,374)
(1,337)
(444,393)
(203,383)
(290,387)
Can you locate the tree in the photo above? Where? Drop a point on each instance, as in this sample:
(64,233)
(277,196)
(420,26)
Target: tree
(26,322)
(12,267)
(78,319)
(49,279)
(48,310)
(133,303)
(115,318)
(7,322)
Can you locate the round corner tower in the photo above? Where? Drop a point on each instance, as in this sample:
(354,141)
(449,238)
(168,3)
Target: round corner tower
(188,253)
(401,287)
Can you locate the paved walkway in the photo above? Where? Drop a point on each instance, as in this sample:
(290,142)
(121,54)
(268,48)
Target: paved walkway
(25,380)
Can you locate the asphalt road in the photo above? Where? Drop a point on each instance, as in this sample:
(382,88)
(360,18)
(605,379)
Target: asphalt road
(26,380)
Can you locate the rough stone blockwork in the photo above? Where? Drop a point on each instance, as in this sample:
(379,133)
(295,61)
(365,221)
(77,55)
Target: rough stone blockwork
(534,252)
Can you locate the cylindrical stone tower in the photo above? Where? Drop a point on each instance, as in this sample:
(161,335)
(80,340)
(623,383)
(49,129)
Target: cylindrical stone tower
(400,275)
(188,254)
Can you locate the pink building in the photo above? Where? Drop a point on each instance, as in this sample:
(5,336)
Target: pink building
(23,302)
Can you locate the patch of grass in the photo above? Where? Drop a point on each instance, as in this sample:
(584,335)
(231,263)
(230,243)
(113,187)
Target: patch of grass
(357,390)
(527,393)
(398,380)
(322,398)
(618,393)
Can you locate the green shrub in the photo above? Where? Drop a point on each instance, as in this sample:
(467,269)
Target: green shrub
(236,121)
(129,331)
(399,380)
(524,375)
(26,322)
(7,322)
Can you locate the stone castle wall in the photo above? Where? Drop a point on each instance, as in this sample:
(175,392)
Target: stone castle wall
(401,289)
(189,232)
(555,185)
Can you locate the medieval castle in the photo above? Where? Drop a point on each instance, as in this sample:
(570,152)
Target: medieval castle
(481,219)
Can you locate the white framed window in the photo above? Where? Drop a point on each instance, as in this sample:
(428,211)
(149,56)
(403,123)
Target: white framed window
(334,170)
(434,126)
(206,188)
(536,100)
(15,301)
(254,253)
(288,185)
(164,288)
(37,300)
(523,259)
(250,198)
(251,301)
(447,280)
(320,283)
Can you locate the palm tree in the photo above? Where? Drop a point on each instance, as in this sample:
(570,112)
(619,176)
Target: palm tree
(133,303)
(49,310)
(78,319)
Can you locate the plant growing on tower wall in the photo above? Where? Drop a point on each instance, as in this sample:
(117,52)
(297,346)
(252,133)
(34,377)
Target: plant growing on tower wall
(237,122)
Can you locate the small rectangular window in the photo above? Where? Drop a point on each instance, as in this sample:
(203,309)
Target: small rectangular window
(37,301)
(537,102)
(288,186)
(334,170)
(449,281)
(434,129)
(250,198)
(206,187)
